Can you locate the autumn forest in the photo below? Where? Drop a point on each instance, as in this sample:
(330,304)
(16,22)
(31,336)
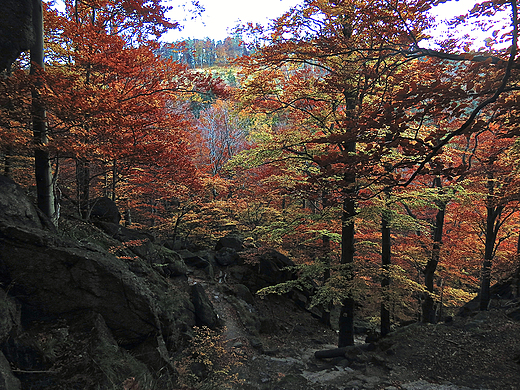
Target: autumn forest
(381,159)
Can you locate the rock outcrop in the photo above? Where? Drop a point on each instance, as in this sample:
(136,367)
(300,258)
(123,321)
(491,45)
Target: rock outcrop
(16,30)
(142,304)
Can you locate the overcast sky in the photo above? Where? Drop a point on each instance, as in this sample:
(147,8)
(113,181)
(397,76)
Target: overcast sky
(221,16)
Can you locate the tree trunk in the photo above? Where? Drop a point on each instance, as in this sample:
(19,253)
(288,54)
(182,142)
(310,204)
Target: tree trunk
(325,317)
(428,307)
(386,260)
(517,274)
(114,181)
(346,318)
(7,161)
(493,212)
(42,162)
(83,186)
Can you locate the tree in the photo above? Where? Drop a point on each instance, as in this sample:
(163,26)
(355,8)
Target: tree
(42,160)
(114,104)
(334,76)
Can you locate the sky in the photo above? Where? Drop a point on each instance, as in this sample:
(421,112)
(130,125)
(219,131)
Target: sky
(221,16)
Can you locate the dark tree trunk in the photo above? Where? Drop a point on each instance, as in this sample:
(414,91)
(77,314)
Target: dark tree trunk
(346,318)
(114,180)
(325,317)
(42,161)
(386,260)
(428,307)
(517,274)
(493,213)
(7,162)
(83,186)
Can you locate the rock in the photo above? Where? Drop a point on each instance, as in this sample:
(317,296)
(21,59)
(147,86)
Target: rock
(7,380)
(248,317)
(514,314)
(104,209)
(262,269)
(503,290)
(168,263)
(226,256)
(105,361)
(241,291)
(10,316)
(140,244)
(16,31)
(232,241)
(15,206)
(193,260)
(58,276)
(204,312)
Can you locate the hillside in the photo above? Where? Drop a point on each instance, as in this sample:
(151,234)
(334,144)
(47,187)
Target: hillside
(76,316)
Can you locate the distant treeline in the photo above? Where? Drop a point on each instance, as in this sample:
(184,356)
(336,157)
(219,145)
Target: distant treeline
(201,53)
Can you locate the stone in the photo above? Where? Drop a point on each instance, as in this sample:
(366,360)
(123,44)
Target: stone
(15,206)
(138,243)
(204,312)
(264,268)
(7,379)
(233,241)
(57,276)
(16,30)
(192,259)
(226,256)
(105,209)
(241,291)
(10,316)
(514,314)
(167,262)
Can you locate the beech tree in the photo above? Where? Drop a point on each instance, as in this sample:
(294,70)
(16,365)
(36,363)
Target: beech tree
(42,163)
(362,92)
(115,105)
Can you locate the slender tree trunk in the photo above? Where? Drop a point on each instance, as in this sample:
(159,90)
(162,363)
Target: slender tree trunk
(516,276)
(493,213)
(386,260)
(42,161)
(428,307)
(83,186)
(114,181)
(346,318)
(325,317)
(7,161)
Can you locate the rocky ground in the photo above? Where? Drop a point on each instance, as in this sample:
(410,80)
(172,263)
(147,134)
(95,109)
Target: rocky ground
(478,351)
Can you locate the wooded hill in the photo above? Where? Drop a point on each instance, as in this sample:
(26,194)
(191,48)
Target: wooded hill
(385,168)
(198,53)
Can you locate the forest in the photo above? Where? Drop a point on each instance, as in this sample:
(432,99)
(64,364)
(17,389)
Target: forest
(381,159)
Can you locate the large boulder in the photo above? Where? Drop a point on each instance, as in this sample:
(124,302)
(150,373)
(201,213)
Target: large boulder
(204,311)
(10,316)
(59,276)
(16,30)
(263,268)
(15,206)
(233,241)
(105,209)
(7,379)
(226,256)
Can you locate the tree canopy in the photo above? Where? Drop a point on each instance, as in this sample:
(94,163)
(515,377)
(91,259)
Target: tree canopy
(381,158)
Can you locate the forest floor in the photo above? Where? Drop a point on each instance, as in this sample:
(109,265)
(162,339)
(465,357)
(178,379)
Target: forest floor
(480,351)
